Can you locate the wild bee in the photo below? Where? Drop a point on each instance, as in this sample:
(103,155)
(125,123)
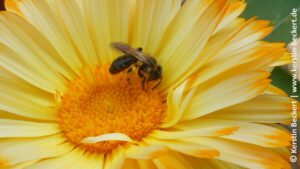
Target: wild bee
(148,68)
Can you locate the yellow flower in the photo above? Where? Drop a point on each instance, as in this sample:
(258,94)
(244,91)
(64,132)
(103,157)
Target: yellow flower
(60,107)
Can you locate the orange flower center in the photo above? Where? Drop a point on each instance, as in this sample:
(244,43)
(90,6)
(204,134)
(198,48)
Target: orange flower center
(99,103)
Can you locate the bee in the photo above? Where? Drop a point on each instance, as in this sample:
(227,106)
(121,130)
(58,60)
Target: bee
(148,68)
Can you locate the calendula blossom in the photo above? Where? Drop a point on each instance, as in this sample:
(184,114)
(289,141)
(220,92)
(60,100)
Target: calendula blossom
(60,108)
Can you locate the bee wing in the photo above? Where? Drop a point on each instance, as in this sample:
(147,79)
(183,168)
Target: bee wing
(125,48)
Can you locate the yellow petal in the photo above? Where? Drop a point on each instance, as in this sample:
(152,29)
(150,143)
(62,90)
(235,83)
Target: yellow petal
(284,152)
(196,150)
(146,164)
(145,152)
(150,22)
(186,37)
(116,159)
(211,163)
(172,160)
(87,160)
(73,21)
(237,36)
(275,91)
(177,103)
(262,109)
(24,100)
(26,40)
(216,43)
(44,18)
(284,60)
(65,161)
(211,95)
(20,66)
(26,90)
(257,57)
(208,130)
(95,161)
(132,164)
(75,159)
(35,149)
(17,128)
(234,10)
(246,155)
(22,165)
(108,21)
(4,164)
(247,132)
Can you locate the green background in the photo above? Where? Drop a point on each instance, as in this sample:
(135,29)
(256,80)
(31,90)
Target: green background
(278,12)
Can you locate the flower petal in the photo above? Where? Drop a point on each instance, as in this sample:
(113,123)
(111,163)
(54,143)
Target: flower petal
(186,36)
(23,38)
(248,132)
(107,137)
(244,35)
(273,90)
(116,159)
(72,18)
(36,75)
(145,152)
(211,163)
(108,21)
(17,128)
(234,10)
(132,164)
(26,101)
(75,159)
(23,164)
(283,60)
(35,149)
(246,155)
(238,89)
(258,57)
(250,32)
(208,130)
(172,160)
(65,161)
(150,22)
(262,109)
(177,103)
(51,25)
(146,164)
(26,90)
(196,150)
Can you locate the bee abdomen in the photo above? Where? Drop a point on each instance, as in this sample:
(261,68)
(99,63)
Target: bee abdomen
(121,63)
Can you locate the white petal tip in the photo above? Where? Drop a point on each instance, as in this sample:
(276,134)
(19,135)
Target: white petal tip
(108,137)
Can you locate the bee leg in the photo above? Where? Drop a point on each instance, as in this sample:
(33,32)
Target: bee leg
(141,75)
(130,70)
(160,79)
(143,83)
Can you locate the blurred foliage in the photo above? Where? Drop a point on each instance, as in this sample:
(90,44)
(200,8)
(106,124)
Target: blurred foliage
(278,12)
